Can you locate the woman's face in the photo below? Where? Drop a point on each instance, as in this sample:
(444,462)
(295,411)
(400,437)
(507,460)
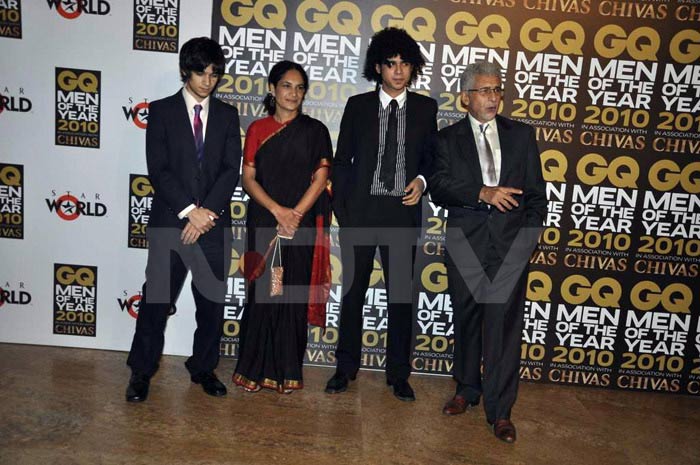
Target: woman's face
(289,92)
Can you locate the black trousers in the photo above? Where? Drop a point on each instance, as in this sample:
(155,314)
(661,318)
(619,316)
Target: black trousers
(389,225)
(487,301)
(168,263)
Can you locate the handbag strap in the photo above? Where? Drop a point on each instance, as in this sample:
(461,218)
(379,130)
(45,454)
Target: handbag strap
(278,248)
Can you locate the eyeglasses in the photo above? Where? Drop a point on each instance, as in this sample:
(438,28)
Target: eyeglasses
(484,91)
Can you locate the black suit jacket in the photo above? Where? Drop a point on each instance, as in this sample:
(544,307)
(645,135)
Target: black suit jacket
(176,175)
(457,180)
(358,142)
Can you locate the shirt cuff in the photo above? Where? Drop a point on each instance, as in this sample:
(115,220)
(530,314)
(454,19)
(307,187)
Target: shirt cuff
(186,210)
(425,183)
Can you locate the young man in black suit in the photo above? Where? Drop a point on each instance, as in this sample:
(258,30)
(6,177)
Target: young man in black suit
(193,152)
(380,168)
(489,177)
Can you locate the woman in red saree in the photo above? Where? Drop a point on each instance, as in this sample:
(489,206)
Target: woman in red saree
(287,159)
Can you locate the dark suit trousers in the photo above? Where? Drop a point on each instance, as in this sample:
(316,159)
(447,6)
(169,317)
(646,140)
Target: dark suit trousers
(488,320)
(387,224)
(166,269)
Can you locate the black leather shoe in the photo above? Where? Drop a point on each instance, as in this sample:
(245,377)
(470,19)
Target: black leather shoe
(338,383)
(210,383)
(402,390)
(137,390)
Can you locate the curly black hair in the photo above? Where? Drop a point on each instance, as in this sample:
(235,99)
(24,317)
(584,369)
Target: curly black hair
(198,53)
(387,43)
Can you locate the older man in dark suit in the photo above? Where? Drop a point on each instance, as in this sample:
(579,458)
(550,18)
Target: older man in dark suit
(193,152)
(489,177)
(381,164)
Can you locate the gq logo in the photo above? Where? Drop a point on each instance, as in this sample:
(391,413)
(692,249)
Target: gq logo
(87,81)
(493,31)
(642,43)
(567,37)
(674,298)
(434,277)
(141,186)
(605,292)
(554,165)
(237,262)
(420,23)
(539,287)
(68,275)
(140,201)
(137,114)
(592,169)
(11,176)
(269,14)
(337,272)
(665,175)
(344,17)
(71,9)
(685,46)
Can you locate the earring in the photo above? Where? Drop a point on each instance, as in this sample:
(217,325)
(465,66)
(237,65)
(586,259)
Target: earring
(272,100)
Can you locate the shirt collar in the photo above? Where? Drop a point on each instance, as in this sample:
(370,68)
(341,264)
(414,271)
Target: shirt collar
(385,98)
(191,102)
(476,123)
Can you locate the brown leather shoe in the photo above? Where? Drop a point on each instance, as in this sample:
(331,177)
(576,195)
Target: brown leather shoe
(457,405)
(504,430)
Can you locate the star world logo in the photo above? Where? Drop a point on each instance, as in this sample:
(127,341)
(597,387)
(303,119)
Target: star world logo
(137,114)
(72,9)
(70,207)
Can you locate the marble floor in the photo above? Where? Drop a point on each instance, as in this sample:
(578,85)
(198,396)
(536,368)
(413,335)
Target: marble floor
(61,406)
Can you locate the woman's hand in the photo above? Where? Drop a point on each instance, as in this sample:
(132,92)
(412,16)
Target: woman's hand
(287,219)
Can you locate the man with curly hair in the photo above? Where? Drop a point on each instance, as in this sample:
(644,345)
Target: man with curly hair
(381,164)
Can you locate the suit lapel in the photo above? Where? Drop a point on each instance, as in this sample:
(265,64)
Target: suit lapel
(467,148)
(507,151)
(372,122)
(183,127)
(411,122)
(213,129)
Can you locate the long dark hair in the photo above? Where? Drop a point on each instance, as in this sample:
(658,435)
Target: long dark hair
(276,74)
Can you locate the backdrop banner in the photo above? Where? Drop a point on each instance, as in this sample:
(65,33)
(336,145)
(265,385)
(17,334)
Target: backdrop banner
(611,87)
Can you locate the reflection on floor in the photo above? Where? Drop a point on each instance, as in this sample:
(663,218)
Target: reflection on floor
(66,406)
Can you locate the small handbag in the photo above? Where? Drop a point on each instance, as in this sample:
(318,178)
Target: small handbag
(276,272)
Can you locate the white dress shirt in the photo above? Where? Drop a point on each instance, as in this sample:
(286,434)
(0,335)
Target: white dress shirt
(190,102)
(492,138)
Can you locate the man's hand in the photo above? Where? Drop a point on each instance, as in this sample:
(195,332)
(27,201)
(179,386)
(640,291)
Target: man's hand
(202,219)
(500,197)
(413,191)
(189,234)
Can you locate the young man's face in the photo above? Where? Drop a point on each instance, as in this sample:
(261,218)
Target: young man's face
(483,99)
(396,74)
(202,83)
